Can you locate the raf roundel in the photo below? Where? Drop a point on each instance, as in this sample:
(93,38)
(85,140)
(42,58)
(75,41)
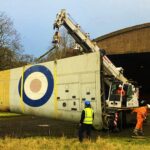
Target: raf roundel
(37,86)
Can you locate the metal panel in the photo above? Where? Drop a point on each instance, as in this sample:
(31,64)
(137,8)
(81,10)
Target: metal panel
(89,93)
(80,77)
(4,89)
(17,104)
(68,80)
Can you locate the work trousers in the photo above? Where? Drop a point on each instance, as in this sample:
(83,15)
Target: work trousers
(139,124)
(85,129)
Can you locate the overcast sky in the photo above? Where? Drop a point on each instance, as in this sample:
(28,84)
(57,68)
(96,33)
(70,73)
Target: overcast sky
(33,19)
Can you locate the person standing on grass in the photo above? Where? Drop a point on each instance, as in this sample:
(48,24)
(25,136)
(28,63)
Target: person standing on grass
(86,121)
(142,112)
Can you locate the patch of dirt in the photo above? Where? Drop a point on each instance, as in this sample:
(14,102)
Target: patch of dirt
(30,126)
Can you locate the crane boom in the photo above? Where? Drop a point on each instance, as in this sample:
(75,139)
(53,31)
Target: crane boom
(86,43)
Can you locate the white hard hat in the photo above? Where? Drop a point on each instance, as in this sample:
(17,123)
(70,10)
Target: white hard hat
(133,89)
(120,85)
(148,105)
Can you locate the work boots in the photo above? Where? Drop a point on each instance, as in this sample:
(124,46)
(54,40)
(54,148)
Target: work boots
(141,132)
(138,132)
(135,132)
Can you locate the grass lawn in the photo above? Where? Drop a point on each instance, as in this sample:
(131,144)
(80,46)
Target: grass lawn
(63,143)
(8,114)
(19,132)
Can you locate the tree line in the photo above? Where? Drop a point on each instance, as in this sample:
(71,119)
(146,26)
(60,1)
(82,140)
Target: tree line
(11,50)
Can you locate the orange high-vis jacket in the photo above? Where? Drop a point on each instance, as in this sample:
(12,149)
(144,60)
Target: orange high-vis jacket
(120,91)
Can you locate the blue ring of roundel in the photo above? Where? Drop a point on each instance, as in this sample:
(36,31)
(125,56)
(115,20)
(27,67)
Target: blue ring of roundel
(50,80)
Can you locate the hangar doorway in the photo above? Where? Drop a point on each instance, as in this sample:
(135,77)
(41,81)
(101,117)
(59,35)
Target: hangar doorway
(136,67)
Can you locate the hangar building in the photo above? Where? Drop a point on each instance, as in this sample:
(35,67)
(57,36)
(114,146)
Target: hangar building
(130,48)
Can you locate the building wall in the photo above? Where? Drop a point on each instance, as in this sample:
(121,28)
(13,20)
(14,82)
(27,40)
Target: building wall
(130,40)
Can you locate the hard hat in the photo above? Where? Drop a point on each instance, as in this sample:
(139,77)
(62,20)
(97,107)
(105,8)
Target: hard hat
(133,89)
(87,102)
(120,86)
(148,105)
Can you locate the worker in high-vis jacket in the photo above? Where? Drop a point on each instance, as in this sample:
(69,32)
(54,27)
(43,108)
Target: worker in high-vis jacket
(141,116)
(86,121)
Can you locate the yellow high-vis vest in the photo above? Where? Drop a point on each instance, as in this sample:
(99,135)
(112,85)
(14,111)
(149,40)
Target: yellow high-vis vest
(88,116)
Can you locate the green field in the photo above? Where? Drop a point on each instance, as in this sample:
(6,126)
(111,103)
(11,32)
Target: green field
(35,133)
(8,114)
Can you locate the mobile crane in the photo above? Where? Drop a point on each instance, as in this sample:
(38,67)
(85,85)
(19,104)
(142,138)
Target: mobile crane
(82,39)
(112,75)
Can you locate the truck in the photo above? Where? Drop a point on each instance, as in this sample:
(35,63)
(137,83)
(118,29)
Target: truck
(58,89)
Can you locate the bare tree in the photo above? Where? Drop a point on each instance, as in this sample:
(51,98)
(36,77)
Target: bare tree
(8,35)
(65,47)
(10,47)
(26,58)
(5,58)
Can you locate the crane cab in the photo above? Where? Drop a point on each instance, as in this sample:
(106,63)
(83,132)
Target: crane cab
(122,95)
